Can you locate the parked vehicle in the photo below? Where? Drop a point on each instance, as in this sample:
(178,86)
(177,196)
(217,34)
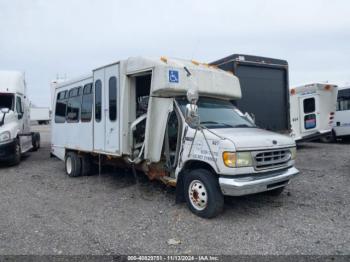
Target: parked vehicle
(40,114)
(146,113)
(265,89)
(15,135)
(341,123)
(312,110)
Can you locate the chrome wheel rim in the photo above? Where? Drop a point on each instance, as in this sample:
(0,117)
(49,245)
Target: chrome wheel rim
(198,195)
(69,165)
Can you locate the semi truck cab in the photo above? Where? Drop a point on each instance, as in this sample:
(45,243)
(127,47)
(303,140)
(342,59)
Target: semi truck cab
(15,136)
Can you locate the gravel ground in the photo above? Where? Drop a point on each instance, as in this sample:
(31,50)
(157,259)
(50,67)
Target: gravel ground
(42,211)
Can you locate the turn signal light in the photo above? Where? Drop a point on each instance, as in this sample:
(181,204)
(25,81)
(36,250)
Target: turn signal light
(229,159)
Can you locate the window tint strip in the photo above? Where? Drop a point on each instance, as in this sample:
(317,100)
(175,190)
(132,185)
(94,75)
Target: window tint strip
(98,100)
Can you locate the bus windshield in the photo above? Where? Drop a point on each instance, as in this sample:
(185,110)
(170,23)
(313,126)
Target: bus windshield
(217,113)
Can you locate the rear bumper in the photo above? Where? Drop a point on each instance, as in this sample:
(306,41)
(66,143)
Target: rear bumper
(7,150)
(251,184)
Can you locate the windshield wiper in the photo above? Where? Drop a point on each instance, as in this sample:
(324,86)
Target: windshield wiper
(242,125)
(216,123)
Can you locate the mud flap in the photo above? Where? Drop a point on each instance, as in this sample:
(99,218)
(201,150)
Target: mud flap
(180,197)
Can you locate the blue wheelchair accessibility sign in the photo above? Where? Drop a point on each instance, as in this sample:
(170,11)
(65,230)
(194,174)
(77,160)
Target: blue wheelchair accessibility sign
(173,76)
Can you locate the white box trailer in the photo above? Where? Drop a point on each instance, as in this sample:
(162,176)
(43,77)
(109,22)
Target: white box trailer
(41,115)
(15,135)
(312,109)
(134,112)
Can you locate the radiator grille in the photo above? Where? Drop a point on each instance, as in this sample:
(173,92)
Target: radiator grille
(271,159)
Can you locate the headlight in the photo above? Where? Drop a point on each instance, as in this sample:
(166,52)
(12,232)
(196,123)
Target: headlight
(5,136)
(244,159)
(293,153)
(238,159)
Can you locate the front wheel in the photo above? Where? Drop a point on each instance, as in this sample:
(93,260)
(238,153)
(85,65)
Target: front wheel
(203,194)
(16,159)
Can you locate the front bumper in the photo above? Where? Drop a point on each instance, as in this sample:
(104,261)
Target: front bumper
(7,150)
(251,184)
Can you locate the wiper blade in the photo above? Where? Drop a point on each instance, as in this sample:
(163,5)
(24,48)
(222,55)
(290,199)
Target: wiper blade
(216,123)
(243,125)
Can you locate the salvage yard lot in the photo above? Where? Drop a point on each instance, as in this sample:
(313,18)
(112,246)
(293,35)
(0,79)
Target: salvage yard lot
(42,211)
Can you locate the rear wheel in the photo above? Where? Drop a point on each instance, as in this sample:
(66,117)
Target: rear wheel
(73,164)
(86,166)
(203,194)
(331,138)
(36,141)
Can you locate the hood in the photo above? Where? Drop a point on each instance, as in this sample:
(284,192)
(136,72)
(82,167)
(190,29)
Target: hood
(254,138)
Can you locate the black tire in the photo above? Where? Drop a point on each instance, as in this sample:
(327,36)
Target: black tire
(275,192)
(86,167)
(203,182)
(16,159)
(331,138)
(72,164)
(36,141)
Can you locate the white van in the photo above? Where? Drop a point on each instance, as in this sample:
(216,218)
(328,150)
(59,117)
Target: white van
(341,123)
(15,135)
(312,108)
(135,112)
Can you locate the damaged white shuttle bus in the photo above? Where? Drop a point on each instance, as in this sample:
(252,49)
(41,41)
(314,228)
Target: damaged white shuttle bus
(174,120)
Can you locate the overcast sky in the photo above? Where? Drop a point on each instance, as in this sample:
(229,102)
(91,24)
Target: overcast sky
(71,37)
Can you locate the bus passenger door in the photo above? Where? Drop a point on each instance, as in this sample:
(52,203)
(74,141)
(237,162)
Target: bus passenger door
(112,118)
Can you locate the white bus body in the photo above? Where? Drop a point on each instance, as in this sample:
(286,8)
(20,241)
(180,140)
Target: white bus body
(312,108)
(133,112)
(15,136)
(341,124)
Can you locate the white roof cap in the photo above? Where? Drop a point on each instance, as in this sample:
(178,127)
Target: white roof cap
(12,82)
(209,80)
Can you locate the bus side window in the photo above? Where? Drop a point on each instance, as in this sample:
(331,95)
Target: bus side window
(61,107)
(74,104)
(86,105)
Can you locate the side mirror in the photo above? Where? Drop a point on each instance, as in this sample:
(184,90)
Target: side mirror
(250,117)
(5,110)
(20,115)
(191,115)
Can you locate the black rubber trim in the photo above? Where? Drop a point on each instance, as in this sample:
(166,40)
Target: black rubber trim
(313,136)
(260,174)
